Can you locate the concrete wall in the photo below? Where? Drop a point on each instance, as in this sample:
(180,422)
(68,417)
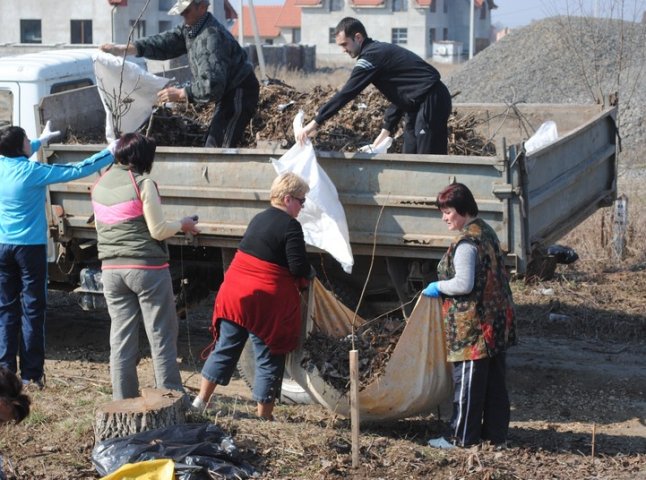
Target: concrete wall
(379,23)
(109,23)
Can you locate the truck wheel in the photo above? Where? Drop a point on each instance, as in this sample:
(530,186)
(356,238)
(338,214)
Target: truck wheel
(291,392)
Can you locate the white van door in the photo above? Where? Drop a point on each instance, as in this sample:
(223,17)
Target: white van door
(9,104)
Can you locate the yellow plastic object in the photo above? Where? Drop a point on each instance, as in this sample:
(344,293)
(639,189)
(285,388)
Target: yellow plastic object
(416,379)
(161,469)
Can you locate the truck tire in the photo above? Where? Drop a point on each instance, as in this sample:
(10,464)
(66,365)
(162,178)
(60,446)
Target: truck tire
(291,392)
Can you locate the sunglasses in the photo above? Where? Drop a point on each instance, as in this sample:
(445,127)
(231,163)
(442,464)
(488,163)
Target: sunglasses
(300,200)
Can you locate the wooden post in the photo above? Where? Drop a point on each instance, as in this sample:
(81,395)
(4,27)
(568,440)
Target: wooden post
(354,405)
(594,439)
(619,227)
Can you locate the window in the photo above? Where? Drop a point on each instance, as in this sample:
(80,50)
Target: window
(336,5)
(166,5)
(431,35)
(399,36)
(332,38)
(269,41)
(165,25)
(6,108)
(296,35)
(81,31)
(72,85)
(483,11)
(400,5)
(445,34)
(138,28)
(446,6)
(433,5)
(30,31)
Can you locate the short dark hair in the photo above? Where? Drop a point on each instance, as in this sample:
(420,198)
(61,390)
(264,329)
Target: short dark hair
(11,142)
(136,151)
(12,396)
(350,26)
(458,196)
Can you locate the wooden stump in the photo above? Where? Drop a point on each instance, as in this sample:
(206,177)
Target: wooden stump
(154,409)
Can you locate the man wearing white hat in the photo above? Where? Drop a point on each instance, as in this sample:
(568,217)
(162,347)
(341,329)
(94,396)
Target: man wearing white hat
(221,71)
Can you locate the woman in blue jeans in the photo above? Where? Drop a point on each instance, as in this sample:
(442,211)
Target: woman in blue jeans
(23,246)
(259,298)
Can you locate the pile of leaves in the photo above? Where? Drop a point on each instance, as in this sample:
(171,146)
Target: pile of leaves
(356,125)
(375,340)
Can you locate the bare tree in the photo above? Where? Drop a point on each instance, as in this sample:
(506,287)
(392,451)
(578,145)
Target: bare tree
(117,101)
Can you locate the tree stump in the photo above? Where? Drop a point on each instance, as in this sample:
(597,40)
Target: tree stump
(154,409)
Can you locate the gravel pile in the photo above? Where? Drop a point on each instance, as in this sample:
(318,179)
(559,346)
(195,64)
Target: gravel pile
(564,60)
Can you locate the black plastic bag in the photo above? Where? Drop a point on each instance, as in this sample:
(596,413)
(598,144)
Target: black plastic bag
(563,254)
(196,449)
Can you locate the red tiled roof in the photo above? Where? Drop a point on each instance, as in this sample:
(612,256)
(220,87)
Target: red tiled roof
(266,16)
(367,3)
(309,3)
(290,15)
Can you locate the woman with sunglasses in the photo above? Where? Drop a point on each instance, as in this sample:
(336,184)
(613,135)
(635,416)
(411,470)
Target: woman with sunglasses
(259,297)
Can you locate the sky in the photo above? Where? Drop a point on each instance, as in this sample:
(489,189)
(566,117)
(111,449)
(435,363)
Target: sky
(516,13)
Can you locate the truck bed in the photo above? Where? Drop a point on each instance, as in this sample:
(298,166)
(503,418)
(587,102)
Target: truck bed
(529,200)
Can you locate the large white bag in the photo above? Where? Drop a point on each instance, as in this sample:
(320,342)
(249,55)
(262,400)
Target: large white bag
(127,98)
(547,133)
(323,218)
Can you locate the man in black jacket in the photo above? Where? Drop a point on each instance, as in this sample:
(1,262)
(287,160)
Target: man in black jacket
(411,85)
(220,68)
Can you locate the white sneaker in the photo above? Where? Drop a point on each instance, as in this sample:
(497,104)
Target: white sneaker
(440,442)
(198,405)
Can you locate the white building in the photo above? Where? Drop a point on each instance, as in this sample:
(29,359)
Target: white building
(413,24)
(77,22)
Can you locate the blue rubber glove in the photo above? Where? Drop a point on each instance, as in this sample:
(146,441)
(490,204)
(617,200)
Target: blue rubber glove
(432,290)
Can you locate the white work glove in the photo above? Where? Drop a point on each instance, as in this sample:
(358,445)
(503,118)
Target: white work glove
(381,148)
(112,146)
(47,134)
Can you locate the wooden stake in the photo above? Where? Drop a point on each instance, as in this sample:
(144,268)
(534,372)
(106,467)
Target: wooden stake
(354,405)
(594,435)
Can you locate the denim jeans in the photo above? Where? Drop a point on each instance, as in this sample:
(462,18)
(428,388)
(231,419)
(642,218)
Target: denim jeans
(219,367)
(23,302)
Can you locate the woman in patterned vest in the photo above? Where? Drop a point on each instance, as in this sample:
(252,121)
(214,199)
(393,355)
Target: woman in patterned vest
(131,230)
(478,312)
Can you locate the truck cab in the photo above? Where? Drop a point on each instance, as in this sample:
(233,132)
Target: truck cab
(25,79)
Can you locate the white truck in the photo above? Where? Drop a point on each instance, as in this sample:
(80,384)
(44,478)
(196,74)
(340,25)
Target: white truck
(531,200)
(25,79)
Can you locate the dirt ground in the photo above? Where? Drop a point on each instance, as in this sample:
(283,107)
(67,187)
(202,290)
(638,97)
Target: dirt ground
(577,386)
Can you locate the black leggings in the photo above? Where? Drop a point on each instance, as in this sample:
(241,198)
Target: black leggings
(233,113)
(426,130)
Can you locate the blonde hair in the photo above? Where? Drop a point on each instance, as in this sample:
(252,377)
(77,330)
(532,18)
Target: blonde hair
(287,184)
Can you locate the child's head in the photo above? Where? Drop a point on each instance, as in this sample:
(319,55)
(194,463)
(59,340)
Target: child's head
(14,405)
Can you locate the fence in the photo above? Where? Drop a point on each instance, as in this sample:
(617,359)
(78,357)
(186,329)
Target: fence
(291,57)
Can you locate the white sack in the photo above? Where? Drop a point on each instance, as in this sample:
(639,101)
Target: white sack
(546,134)
(134,93)
(322,217)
